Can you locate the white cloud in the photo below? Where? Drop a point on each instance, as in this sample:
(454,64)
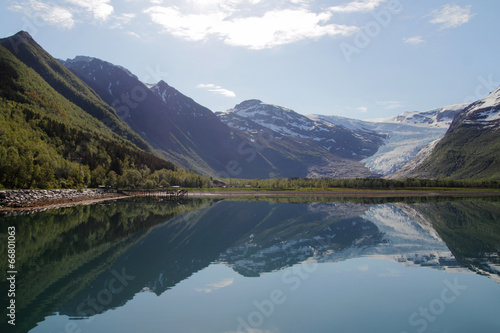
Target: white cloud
(120,21)
(357,6)
(64,13)
(279,27)
(416,40)
(451,16)
(50,13)
(214,286)
(100,9)
(362,109)
(390,105)
(192,27)
(217,89)
(133,34)
(226,21)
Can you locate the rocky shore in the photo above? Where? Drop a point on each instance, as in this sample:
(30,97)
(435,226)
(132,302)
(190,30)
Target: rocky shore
(31,198)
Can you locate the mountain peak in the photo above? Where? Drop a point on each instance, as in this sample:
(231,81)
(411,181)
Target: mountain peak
(162,84)
(77,62)
(23,34)
(248,103)
(81,58)
(20,38)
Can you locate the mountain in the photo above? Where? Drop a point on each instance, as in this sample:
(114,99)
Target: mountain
(54,130)
(381,145)
(160,126)
(317,149)
(406,135)
(469,149)
(192,136)
(435,118)
(182,130)
(28,51)
(252,115)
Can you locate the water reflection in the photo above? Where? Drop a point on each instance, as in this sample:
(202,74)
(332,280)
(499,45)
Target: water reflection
(80,262)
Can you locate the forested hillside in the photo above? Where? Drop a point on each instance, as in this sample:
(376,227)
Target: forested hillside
(47,140)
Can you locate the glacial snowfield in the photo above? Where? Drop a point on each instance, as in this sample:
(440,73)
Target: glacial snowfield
(406,134)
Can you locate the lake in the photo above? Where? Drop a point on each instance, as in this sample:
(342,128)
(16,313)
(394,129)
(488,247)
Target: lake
(259,265)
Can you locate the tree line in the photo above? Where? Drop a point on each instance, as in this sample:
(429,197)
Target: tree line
(297,183)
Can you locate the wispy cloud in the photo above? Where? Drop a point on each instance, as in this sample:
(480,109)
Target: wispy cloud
(242,23)
(216,89)
(50,13)
(120,21)
(100,9)
(451,16)
(357,6)
(64,13)
(390,105)
(416,40)
(214,286)
(362,109)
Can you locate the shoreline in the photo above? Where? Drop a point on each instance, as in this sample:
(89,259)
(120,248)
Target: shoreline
(35,203)
(347,193)
(38,200)
(57,204)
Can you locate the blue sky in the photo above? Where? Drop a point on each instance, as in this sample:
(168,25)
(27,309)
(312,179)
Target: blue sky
(354,58)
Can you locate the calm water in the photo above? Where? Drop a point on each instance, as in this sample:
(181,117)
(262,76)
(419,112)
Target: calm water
(258,267)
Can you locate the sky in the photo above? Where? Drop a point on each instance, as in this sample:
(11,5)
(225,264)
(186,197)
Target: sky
(360,59)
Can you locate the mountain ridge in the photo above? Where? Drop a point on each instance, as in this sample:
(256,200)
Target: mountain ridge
(387,144)
(48,140)
(469,149)
(196,138)
(255,139)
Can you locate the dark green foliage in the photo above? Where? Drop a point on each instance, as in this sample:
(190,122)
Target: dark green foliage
(46,141)
(467,152)
(296,183)
(68,85)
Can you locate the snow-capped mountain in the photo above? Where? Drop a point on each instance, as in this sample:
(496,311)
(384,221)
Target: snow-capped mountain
(193,137)
(435,118)
(187,133)
(485,112)
(469,149)
(406,134)
(253,115)
(382,145)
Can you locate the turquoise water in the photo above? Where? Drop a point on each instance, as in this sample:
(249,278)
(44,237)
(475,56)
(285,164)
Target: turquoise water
(260,266)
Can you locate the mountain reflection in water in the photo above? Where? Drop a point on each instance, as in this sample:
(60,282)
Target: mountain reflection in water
(83,261)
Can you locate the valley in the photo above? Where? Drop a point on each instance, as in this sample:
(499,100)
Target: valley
(253,140)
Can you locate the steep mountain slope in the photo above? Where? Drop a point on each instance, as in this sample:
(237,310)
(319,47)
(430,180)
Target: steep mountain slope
(405,135)
(194,137)
(382,145)
(470,147)
(184,131)
(47,140)
(311,145)
(27,50)
(354,144)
